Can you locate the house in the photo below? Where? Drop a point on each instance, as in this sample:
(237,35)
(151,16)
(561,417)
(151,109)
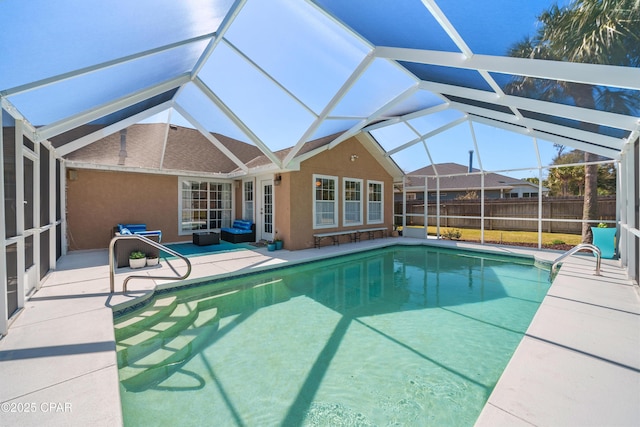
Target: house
(457,181)
(176,180)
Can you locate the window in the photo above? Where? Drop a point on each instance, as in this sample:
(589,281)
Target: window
(204,205)
(325,206)
(352,190)
(375,202)
(247,200)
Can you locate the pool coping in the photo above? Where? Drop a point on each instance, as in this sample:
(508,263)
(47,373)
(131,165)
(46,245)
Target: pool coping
(78,368)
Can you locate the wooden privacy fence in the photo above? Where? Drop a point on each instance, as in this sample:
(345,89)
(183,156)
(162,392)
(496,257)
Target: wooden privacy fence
(508,214)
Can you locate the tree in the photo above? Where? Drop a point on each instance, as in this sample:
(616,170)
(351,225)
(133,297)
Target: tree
(534,180)
(590,31)
(566,181)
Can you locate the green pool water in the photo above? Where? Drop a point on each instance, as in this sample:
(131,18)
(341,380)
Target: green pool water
(401,336)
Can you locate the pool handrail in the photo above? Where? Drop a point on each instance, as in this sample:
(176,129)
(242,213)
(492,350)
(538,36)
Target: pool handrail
(581,246)
(152,243)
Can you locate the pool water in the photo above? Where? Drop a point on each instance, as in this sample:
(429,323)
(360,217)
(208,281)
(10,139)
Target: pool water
(398,336)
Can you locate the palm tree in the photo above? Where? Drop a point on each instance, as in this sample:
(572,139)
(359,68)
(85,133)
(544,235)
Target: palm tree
(591,31)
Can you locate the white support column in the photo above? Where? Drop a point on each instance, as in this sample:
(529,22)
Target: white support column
(539,207)
(633,164)
(4,311)
(537,149)
(621,208)
(52,210)
(19,159)
(36,219)
(628,210)
(63,206)
(438,207)
(404,206)
(426,208)
(482,208)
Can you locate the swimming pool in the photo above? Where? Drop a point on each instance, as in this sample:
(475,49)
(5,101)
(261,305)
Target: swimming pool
(402,335)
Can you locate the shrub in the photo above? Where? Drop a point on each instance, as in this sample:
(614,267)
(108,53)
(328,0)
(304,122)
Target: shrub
(558,242)
(452,234)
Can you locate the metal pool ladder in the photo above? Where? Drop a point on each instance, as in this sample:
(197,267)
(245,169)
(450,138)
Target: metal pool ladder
(163,248)
(575,249)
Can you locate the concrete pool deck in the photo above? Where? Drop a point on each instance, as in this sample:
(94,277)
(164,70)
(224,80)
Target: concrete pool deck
(578,364)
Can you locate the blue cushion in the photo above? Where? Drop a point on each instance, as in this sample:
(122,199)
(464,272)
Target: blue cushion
(242,225)
(236,230)
(134,228)
(128,229)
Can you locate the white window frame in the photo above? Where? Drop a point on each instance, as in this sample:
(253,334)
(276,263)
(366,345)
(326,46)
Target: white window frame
(345,202)
(336,199)
(245,202)
(226,210)
(381,202)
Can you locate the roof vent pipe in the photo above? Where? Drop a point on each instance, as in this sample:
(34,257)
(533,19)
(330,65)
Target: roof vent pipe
(470,161)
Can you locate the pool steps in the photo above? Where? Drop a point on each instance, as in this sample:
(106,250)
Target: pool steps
(156,346)
(155,343)
(160,309)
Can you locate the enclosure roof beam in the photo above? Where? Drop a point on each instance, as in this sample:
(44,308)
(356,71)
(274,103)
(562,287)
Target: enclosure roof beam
(591,74)
(56,128)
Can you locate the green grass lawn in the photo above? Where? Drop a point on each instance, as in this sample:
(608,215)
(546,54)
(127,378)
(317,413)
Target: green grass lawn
(526,237)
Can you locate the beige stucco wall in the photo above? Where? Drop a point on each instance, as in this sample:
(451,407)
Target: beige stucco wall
(98,200)
(294,196)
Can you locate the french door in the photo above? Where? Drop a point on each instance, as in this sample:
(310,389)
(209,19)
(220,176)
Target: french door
(265,221)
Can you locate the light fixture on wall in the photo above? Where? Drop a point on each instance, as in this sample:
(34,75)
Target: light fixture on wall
(122,154)
(277,179)
(354,157)
(72,174)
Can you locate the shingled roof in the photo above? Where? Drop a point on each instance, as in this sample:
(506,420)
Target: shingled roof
(177,148)
(463,180)
(163,147)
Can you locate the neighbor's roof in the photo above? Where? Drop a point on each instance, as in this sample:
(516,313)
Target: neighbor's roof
(462,179)
(277,74)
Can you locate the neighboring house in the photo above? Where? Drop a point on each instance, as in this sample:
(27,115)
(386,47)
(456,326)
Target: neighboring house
(177,180)
(464,184)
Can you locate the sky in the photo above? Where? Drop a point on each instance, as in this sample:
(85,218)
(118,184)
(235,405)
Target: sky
(304,50)
(502,23)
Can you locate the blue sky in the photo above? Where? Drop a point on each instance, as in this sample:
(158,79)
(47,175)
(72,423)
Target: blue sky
(302,49)
(496,149)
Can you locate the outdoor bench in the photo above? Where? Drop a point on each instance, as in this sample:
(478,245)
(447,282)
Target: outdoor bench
(335,236)
(354,235)
(372,232)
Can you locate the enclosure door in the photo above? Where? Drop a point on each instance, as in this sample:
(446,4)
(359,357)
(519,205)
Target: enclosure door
(265,219)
